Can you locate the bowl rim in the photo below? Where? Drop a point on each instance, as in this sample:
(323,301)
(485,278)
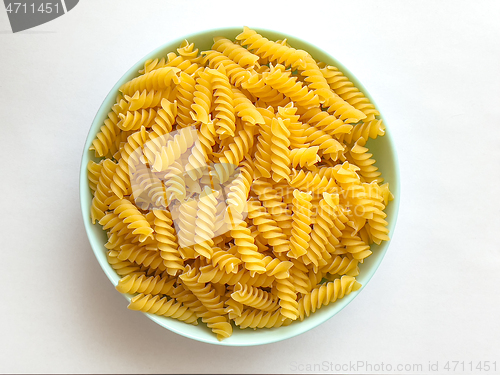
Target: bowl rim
(84,187)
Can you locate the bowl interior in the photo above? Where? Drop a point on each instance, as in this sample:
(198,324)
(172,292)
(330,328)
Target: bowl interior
(382,148)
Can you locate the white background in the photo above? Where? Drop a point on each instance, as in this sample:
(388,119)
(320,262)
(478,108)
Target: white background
(433,68)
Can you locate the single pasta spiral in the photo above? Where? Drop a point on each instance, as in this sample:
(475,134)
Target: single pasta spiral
(134,120)
(130,215)
(158,79)
(104,142)
(301,229)
(253,318)
(267,227)
(285,291)
(223,101)
(341,85)
(325,294)
(257,86)
(205,294)
(202,100)
(205,223)
(140,283)
(271,51)
(282,81)
(224,260)
(236,74)
(235,52)
(245,246)
(305,157)
(94,172)
(321,228)
(144,99)
(162,306)
(254,297)
(102,192)
(280,152)
(360,156)
(185,99)
(167,242)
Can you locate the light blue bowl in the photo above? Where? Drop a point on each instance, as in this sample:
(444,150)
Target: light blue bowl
(382,148)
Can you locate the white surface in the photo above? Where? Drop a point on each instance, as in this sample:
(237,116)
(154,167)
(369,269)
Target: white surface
(432,68)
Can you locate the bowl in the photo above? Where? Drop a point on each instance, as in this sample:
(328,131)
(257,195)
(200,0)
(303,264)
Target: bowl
(383,150)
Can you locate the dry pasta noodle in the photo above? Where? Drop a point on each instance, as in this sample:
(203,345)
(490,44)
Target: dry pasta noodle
(287,207)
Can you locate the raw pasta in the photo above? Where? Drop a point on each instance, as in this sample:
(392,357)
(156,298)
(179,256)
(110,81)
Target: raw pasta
(236,185)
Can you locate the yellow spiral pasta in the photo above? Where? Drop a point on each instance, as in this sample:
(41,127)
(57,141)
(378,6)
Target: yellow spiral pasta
(301,227)
(167,244)
(140,255)
(273,203)
(235,52)
(246,248)
(254,297)
(257,86)
(185,99)
(202,101)
(162,154)
(102,191)
(267,227)
(329,146)
(341,265)
(162,306)
(130,215)
(321,229)
(205,293)
(325,122)
(245,109)
(236,184)
(263,153)
(225,261)
(286,293)
(280,79)
(325,294)
(253,318)
(186,223)
(370,129)
(140,283)
(280,152)
(121,267)
(360,156)
(291,119)
(147,99)
(304,157)
(104,143)
(336,105)
(277,268)
(341,85)
(121,179)
(94,172)
(236,74)
(223,101)
(271,51)
(238,190)
(155,80)
(134,120)
(165,118)
(232,154)
(205,223)
(212,274)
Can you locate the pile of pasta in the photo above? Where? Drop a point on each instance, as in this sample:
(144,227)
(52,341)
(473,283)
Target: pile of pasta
(285,136)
